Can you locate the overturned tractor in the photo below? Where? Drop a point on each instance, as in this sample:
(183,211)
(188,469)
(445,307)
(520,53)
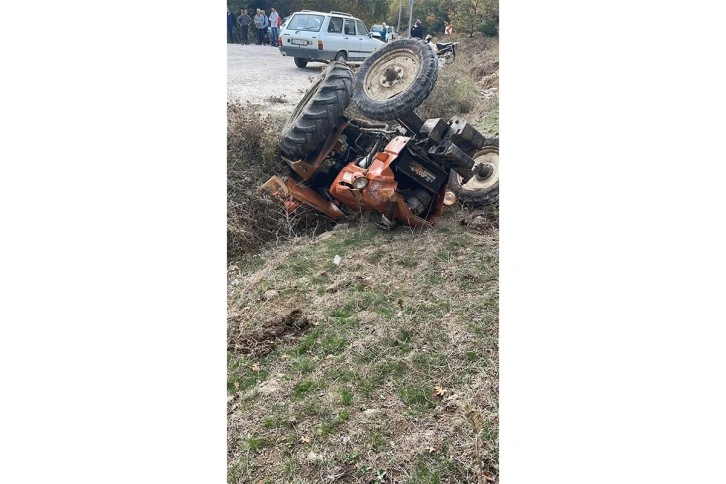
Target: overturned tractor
(394,163)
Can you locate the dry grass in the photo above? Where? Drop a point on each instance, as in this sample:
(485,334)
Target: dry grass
(469,86)
(453,95)
(353,397)
(254,221)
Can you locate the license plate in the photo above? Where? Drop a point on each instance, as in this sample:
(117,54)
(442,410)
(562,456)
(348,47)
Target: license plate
(299,42)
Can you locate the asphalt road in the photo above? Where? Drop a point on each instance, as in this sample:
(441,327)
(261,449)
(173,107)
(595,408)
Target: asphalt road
(255,73)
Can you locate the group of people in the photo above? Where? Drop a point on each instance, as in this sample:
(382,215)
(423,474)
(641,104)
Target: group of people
(417,29)
(261,22)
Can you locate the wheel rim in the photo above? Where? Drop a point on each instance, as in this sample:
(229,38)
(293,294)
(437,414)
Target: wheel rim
(391,75)
(489,155)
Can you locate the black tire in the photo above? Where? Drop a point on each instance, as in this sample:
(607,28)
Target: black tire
(341,56)
(395,79)
(300,62)
(317,112)
(478,193)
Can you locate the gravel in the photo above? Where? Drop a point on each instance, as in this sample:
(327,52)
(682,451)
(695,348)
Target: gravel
(256,73)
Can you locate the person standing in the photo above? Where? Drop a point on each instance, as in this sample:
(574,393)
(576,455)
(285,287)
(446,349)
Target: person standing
(417,30)
(274,22)
(384,32)
(431,44)
(260,24)
(231,27)
(447,30)
(244,22)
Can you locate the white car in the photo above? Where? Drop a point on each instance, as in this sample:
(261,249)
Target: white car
(312,36)
(390,32)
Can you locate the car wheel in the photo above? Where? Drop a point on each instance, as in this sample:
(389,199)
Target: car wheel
(341,57)
(317,112)
(395,79)
(478,192)
(300,62)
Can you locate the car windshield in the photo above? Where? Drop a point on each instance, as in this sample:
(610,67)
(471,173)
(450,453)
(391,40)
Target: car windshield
(377,28)
(306,21)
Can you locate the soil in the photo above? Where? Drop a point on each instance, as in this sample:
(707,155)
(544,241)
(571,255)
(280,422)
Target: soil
(274,329)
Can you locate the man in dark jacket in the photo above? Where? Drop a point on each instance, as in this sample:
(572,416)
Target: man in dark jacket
(231,27)
(417,30)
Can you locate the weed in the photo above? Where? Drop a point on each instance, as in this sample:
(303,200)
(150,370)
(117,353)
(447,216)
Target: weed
(308,342)
(337,374)
(304,388)
(256,443)
(243,378)
(274,422)
(416,396)
(346,397)
(333,344)
(422,474)
(302,365)
(377,441)
(281,99)
(472,356)
(290,467)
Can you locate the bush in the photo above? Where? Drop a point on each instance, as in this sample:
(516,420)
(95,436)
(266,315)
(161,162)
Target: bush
(253,220)
(489,27)
(454,94)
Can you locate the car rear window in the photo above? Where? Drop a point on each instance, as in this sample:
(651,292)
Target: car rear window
(306,21)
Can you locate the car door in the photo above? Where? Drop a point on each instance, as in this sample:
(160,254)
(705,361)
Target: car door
(334,38)
(352,42)
(367,44)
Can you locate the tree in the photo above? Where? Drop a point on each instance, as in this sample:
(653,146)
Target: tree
(472,16)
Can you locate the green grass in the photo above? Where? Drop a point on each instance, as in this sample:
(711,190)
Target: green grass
(304,389)
(256,443)
(241,378)
(423,474)
(489,126)
(308,342)
(333,344)
(346,397)
(303,365)
(416,396)
(274,422)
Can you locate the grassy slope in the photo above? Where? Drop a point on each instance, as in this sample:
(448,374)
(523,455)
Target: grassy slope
(382,368)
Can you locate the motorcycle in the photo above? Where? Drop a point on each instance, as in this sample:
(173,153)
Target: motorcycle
(445,51)
(408,173)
